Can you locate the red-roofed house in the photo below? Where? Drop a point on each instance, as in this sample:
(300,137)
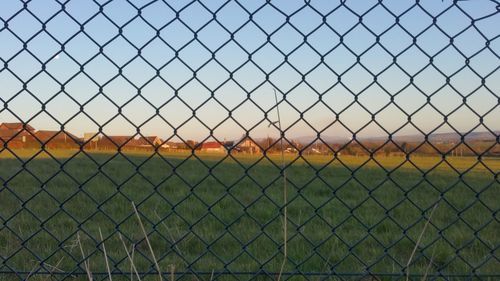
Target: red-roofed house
(15,134)
(16,127)
(114,142)
(57,139)
(212,146)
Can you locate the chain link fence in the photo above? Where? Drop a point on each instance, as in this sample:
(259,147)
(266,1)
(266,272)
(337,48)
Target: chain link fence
(249,140)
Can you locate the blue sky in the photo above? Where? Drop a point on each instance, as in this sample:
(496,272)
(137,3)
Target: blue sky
(294,47)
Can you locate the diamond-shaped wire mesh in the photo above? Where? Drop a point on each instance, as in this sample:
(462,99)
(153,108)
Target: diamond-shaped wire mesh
(257,140)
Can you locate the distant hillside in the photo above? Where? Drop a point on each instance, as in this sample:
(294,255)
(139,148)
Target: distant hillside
(449,137)
(327,139)
(439,137)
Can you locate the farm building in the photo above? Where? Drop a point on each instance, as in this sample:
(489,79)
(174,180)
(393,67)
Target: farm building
(247,145)
(212,146)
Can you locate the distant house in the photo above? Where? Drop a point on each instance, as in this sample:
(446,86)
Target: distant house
(170,145)
(91,140)
(15,134)
(115,142)
(11,130)
(6,135)
(149,142)
(57,139)
(128,142)
(61,136)
(16,127)
(212,146)
(90,137)
(247,145)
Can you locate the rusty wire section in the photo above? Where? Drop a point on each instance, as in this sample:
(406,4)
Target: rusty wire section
(356,207)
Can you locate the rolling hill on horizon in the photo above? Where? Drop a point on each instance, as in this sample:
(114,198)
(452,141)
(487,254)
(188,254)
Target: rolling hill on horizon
(437,137)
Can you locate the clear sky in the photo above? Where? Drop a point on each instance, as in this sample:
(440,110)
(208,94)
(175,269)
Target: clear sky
(303,60)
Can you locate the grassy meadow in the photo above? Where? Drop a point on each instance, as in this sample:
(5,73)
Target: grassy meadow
(211,214)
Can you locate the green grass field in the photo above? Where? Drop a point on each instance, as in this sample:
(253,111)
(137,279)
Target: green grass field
(226,215)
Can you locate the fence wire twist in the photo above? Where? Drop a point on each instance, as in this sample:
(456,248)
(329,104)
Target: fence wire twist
(352,210)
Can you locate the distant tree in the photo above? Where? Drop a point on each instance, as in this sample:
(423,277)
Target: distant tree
(266,143)
(190,144)
(404,147)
